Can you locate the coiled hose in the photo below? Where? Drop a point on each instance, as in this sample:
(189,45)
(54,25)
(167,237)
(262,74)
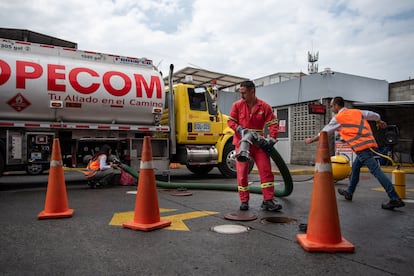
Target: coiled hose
(275,156)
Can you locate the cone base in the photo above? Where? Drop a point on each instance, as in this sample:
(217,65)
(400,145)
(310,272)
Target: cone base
(45,215)
(343,245)
(146,226)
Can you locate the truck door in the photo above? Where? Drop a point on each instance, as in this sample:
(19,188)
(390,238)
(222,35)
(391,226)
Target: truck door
(203,123)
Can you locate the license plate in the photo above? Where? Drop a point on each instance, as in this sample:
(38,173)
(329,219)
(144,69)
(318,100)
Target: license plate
(202,127)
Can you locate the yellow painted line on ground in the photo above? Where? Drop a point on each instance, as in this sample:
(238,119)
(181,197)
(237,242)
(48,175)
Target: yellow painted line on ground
(177,221)
(119,218)
(405,199)
(381,189)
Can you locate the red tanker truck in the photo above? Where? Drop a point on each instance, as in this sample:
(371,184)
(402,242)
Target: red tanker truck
(87,99)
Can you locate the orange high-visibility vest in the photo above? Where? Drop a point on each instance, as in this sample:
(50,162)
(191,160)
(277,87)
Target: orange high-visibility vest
(93,166)
(355,130)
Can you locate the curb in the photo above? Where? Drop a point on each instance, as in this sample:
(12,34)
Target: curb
(388,169)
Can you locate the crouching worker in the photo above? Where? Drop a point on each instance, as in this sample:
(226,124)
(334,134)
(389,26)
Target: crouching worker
(100,172)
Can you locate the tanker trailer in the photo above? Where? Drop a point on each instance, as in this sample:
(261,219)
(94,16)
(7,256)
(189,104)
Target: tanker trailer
(87,99)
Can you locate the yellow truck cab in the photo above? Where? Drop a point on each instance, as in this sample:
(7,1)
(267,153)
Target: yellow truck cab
(203,139)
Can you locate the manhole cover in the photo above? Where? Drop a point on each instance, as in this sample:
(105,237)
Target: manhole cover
(241,216)
(230,229)
(277,220)
(181,193)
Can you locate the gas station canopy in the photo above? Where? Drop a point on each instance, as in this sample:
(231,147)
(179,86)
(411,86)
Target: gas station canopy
(202,77)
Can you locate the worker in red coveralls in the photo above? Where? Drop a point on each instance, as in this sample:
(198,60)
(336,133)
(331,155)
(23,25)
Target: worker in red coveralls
(254,114)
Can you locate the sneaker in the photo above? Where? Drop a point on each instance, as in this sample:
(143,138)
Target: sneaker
(94,184)
(271,205)
(393,203)
(348,196)
(244,206)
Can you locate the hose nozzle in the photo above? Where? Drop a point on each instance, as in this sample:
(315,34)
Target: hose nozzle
(248,139)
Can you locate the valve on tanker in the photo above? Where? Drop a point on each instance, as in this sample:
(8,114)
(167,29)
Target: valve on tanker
(251,137)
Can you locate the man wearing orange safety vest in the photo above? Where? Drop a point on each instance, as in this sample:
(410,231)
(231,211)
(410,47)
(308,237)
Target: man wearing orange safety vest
(254,114)
(353,127)
(99,172)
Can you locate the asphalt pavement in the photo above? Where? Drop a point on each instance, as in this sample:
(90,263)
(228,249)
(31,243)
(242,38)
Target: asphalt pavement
(93,241)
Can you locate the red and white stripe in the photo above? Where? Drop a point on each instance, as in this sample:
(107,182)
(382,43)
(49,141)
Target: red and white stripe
(49,125)
(203,134)
(56,163)
(323,167)
(146,165)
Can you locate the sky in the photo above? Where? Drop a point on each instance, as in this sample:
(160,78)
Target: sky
(245,38)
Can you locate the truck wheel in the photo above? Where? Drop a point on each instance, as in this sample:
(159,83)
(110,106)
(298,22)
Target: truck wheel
(200,170)
(34,169)
(228,165)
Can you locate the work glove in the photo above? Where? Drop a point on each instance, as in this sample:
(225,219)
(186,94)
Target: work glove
(267,145)
(240,130)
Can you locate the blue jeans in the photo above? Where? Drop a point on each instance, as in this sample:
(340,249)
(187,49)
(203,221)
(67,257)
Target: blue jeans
(366,157)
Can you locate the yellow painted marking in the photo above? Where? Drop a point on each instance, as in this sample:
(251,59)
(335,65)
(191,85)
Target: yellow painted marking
(119,218)
(381,189)
(176,220)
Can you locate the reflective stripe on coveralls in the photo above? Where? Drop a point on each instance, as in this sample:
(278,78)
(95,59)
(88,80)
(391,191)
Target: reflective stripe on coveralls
(243,189)
(267,185)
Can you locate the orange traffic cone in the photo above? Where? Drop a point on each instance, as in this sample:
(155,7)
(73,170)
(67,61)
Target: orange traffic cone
(56,204)
(146,213)
(323,231)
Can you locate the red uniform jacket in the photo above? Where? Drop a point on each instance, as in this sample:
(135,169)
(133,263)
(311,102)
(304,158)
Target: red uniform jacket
(262,115)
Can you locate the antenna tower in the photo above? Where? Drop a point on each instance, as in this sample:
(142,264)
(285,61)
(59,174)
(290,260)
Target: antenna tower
(312,59)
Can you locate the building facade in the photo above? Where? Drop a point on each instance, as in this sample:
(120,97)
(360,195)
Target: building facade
(276,78)
(292,100)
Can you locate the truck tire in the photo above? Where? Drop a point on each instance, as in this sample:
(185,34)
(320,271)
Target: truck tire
(200,170)
(228,165)
(34,169)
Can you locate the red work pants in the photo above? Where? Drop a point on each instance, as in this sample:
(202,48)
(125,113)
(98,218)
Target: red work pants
(262,161)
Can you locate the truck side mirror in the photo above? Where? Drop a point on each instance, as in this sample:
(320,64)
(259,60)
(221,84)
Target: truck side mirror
(212,105)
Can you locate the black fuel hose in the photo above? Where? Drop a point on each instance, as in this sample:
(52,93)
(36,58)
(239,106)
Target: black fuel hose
(284,172)
(275,156)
